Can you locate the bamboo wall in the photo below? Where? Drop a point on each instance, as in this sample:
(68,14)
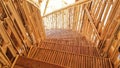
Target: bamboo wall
(21,27)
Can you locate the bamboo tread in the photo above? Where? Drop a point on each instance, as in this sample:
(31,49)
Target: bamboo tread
(87,50)
(70,50)
(32,63)
(70,60)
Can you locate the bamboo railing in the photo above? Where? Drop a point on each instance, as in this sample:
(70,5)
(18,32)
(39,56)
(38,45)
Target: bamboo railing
(64,17)
(21,27)
(92,18)
(95,19)
(75,17)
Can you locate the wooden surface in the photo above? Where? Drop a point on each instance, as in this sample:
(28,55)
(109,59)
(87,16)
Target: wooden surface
(23,62)
(90,32)
(20,28)
(71,60)
(55,50)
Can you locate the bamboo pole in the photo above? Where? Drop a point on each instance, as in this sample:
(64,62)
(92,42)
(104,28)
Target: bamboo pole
(47,2)
(91,21)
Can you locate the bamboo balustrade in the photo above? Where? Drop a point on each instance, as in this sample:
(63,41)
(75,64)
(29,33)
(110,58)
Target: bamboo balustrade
(34,22)
(104,13)
(66,18)
(6,44)
(21,27)
(86,19)
(62,18)
(113,51)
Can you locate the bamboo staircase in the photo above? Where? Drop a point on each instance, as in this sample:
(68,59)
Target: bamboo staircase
(85,34)
(63,49)
(73,38)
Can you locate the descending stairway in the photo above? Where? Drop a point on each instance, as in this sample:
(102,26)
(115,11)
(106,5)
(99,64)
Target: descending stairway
(84,34)
(67,49)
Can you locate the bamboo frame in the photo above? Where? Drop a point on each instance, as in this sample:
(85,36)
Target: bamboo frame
(20,27)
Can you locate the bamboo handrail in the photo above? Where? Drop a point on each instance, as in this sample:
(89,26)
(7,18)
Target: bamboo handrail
(77,3)
(33,3)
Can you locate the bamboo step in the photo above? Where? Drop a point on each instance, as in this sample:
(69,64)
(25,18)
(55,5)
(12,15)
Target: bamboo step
(92,51)
(70,60)
(24,62)
(70,42)
(61,34)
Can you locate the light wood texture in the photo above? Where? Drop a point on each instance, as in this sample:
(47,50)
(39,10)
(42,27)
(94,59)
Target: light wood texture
(20,28)
(86,32)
